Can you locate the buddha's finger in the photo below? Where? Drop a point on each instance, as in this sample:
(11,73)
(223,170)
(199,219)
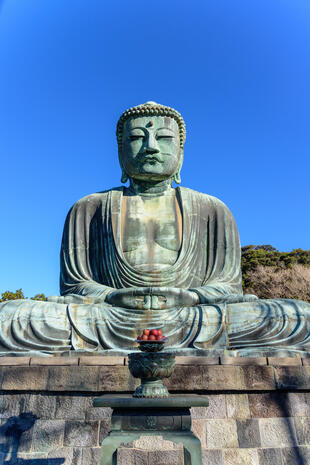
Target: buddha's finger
(158,290)
(164,291)
(147,302)
(250,297)
(155,302)
(141,291)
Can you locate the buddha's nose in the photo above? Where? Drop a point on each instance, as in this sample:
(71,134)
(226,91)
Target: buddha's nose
(151,145)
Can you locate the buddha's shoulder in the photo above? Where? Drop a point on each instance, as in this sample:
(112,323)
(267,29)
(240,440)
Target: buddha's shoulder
(96,199)
(203,199)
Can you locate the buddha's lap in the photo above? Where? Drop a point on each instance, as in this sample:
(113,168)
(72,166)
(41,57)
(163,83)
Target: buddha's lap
(50,326)
(238,313)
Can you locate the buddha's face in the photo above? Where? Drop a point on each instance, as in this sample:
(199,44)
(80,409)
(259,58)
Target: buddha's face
(151,147)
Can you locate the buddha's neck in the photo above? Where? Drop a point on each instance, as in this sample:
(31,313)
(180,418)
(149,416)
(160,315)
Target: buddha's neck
(150,189)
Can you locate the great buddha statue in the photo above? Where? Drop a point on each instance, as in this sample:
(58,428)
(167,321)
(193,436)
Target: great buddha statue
(152,256)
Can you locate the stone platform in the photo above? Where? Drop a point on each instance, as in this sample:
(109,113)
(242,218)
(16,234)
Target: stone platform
(259,412)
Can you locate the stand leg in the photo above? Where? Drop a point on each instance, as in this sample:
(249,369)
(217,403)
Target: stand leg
(111,443)
(191,444)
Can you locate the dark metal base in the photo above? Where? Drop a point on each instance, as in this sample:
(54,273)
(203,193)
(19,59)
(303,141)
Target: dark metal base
(133,418)
(123,401)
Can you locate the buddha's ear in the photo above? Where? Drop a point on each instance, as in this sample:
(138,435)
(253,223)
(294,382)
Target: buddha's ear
(124,177)
(177,176)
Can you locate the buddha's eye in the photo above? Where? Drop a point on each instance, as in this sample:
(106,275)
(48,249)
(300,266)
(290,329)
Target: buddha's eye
(136,136)
(164,136)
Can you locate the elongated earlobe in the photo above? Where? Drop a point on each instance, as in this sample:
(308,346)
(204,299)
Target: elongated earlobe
(177,177)
(124,177)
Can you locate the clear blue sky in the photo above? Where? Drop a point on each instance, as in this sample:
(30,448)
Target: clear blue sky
(238,71)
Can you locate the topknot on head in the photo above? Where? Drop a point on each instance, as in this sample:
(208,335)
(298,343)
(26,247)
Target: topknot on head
(151,109)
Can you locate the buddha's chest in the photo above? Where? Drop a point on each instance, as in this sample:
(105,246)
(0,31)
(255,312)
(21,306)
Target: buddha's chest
(151,231)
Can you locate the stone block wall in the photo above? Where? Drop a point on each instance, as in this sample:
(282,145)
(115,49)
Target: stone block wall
(259,414)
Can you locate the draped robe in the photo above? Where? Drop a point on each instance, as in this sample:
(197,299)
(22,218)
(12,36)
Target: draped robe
(93,264)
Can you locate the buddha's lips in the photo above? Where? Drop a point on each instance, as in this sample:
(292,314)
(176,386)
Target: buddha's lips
(152,158)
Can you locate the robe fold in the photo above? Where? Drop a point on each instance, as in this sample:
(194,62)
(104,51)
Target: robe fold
(93,264)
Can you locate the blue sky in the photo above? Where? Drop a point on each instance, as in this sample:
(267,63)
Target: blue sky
(238,71)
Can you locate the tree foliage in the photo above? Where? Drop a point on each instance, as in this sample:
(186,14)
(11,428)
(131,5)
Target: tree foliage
(8,295)
(18,294)
(41,297)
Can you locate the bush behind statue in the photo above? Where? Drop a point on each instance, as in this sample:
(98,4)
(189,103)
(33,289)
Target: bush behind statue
(269,273)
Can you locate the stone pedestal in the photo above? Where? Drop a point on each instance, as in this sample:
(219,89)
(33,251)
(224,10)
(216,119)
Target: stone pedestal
(259,412)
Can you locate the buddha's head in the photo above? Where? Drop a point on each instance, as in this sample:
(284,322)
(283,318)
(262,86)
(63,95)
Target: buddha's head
(150,143)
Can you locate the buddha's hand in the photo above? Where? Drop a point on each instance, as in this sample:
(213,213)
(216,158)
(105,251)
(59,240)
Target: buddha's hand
(172,297)
(74,299)
(236,299)
(154,298)
(229,299)
(131,297)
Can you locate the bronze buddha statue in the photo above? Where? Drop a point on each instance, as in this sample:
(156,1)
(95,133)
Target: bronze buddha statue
(150,255)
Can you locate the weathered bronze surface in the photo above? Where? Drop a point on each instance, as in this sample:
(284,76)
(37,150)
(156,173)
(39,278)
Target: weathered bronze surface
(151,368)
(151,346)
(152,256)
